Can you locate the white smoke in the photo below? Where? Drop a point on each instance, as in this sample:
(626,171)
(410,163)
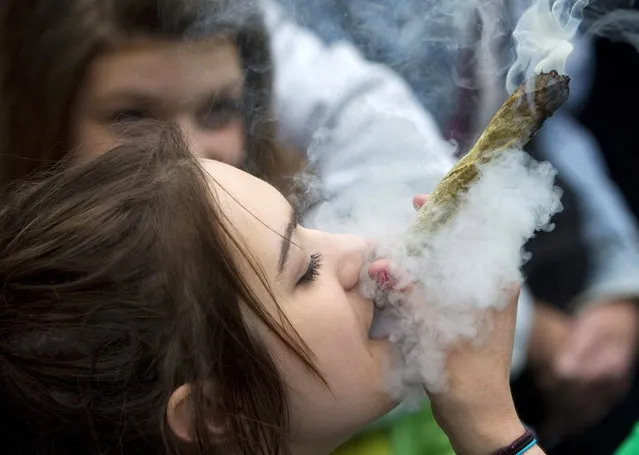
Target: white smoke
(467,266)
(618,25)
(426,40)
(546,31)
(464,270)
(543,38)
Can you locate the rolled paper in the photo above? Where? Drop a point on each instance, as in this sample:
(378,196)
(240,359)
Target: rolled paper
(513,125)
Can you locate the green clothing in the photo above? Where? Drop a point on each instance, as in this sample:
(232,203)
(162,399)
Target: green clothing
(406,434)
(631,446)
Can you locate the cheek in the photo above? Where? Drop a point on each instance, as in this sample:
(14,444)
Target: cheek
(89,139)
(328,321)
(226,145)
(334,325)
(353,366)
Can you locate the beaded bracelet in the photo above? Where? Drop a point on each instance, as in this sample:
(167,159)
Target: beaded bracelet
(520,445)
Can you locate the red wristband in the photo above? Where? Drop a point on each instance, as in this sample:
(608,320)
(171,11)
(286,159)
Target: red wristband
(520,445)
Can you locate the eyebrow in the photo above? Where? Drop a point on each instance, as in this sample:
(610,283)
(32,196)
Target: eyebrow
(146,96)
(286,240)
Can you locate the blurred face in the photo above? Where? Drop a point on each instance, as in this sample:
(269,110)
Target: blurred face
(315,278)
(197,85)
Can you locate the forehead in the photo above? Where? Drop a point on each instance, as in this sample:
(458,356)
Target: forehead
(247,201)
(159,67)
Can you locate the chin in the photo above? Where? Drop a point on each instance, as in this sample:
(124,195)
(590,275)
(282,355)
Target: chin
(393,403)
(386,403)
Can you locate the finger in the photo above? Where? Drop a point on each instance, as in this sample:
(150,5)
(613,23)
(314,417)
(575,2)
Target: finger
(567,365)
(607,364)
(579,349)
(420,200)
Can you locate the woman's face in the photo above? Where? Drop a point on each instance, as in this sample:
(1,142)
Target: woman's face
(315,278)
(197,85)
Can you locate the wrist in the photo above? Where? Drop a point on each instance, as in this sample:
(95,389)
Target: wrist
(488,438)
(479,428)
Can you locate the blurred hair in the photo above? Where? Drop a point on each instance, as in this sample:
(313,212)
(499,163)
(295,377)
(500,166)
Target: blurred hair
(47,46)
(119,283)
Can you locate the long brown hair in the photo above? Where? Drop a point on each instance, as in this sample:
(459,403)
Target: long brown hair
(46,48)
(119,283)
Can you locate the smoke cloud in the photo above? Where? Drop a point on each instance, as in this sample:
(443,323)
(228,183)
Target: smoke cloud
(543,38)
(466,267)
(617,24)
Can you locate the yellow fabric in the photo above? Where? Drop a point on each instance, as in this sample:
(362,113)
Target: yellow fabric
(373,443)
(407,434)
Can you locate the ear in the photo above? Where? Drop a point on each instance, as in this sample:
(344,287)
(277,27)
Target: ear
(180,413)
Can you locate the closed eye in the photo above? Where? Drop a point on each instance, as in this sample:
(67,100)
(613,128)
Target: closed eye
(129,115)
(312,271)
(220,113)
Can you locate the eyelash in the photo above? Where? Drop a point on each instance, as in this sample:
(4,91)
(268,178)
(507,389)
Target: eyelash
(128,115)
(313,269)
(220,113)
(216,115)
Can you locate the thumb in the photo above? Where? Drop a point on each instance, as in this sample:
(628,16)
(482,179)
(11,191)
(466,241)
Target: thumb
(420,200)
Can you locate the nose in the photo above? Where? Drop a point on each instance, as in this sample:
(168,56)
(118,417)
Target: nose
(350,255)
(220,145)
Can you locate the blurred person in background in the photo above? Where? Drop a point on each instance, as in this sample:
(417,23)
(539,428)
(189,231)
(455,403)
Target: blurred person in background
(606,111)
(584,274)
(590,382)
